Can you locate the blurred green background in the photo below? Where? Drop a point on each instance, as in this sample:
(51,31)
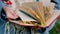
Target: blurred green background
(56,28)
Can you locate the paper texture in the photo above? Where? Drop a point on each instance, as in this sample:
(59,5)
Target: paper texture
(56,14)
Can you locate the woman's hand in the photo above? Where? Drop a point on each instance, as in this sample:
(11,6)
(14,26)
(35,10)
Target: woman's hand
(10,13)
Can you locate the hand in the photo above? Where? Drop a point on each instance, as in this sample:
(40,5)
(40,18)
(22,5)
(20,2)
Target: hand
(10,13)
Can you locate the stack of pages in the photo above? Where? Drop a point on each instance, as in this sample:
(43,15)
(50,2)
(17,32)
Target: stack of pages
(36,14)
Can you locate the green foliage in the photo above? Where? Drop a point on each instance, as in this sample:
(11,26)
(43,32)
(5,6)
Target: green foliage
(56,28)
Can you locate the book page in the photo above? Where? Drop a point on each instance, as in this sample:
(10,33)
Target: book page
(24,17)
(54,17)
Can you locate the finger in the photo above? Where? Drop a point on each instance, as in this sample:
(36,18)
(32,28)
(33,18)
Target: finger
(52,5)
(9,15)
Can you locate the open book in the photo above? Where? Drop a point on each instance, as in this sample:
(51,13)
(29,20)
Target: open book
(32,14)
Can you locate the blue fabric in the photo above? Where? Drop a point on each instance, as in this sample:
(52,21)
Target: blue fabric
(2,23)
(1,4)
(2,27)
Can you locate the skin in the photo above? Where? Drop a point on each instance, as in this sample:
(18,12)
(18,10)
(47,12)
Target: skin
(10,13)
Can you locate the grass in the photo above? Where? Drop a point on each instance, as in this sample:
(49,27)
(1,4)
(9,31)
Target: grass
(56,28)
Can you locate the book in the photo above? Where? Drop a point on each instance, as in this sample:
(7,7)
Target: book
(33,14)
(54,17)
